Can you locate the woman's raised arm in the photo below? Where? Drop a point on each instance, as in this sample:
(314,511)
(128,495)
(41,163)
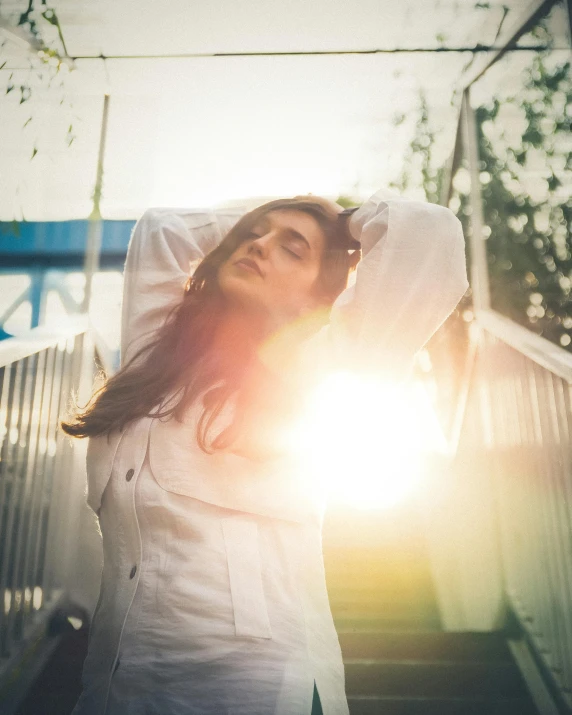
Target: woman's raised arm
(163,245)
(411,276)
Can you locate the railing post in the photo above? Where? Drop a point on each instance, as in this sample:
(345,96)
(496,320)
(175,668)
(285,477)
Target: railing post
(94,230)
(479,267)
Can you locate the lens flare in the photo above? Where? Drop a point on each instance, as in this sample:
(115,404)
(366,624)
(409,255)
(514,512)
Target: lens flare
(363,441)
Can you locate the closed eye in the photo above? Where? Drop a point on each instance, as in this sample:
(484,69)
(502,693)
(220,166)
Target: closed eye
(292,253)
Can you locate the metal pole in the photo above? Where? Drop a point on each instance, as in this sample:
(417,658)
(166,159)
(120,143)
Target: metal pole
(94,231)
(479,265)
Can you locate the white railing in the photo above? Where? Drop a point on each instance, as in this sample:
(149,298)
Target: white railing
(500,533)
(509,508)
(41,486)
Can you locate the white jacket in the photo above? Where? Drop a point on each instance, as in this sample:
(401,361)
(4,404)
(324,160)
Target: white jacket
(248,628)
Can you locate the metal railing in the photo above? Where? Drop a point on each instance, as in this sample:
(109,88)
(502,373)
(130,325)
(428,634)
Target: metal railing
(38,494)
(510,496)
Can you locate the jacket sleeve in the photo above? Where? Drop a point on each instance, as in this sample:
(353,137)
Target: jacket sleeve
(164,245)
(411,276)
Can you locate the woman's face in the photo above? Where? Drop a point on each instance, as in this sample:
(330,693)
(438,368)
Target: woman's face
(273,273)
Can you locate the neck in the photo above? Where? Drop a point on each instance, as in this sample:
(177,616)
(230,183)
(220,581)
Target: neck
(239,331)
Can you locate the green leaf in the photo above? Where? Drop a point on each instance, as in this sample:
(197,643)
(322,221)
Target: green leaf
(25,93)
(50,16)
(34,153)
(520,156)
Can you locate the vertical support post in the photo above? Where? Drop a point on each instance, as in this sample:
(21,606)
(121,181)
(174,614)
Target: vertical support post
(37,295)
(94,230)
(479,267)
(452,163)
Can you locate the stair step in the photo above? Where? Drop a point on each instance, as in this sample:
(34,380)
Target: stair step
(366,557)
(403,572)
(373,609)
(413,623)
(439,706)
(397,579)
(390,594)
(386,583)
(426,646)
(437,680)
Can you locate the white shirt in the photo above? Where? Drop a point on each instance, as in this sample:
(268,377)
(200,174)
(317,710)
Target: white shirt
(213,596)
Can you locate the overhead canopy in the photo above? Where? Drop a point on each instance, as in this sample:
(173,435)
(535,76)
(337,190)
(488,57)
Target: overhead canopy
(196,130)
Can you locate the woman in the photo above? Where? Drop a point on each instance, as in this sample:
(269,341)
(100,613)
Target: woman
(213,597)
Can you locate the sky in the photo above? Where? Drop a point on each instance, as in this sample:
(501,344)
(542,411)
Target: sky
(201,130)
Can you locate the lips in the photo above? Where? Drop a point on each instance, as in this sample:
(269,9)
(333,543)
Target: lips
(250,264)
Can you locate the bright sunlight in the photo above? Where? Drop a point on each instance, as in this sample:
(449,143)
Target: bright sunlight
(364,441)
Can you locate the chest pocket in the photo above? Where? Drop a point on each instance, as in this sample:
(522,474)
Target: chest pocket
(245,576)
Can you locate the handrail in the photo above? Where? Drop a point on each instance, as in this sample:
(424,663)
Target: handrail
(538,349)
(505,549)
(40,498)
(40,338)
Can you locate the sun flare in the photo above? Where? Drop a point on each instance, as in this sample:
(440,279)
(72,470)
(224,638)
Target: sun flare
(363,441)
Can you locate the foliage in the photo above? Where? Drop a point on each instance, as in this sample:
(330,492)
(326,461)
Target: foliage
(525,150)
(526,187)
(419,167)
(47,59)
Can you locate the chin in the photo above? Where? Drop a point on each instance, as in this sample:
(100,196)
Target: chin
(238,292)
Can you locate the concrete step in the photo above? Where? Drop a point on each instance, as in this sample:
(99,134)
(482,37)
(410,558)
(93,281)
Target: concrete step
(372,556)
(439,706)
(418,623)
(350,567)
(457,647)
(378,608)
(436,679)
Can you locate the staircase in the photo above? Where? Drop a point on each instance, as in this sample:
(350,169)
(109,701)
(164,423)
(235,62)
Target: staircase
(397,659)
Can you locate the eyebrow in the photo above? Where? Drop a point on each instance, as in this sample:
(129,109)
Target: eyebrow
(291,231)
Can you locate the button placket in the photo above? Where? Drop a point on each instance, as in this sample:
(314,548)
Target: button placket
(136,446)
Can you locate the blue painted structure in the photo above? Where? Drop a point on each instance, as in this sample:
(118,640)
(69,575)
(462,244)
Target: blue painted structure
(34,248)
(58,243)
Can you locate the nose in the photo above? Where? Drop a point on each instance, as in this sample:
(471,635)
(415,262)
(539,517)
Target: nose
(259,245)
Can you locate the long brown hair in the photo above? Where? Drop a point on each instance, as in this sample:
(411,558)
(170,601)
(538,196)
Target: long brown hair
(184,359)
